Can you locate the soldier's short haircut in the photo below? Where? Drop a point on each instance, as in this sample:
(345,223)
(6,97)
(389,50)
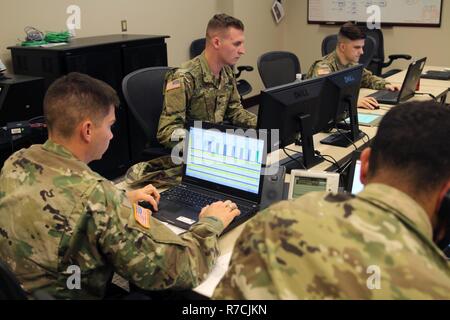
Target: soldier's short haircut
(222,22)
(413,139)
(350,31)
(74,98)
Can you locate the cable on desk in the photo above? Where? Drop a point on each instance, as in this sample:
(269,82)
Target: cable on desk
(368,138)
(292,158)
(345,136)
(426,94)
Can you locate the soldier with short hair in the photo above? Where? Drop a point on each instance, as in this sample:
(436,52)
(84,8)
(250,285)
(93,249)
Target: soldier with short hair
(349,49)
(378,244)
(204,88)
(57,215)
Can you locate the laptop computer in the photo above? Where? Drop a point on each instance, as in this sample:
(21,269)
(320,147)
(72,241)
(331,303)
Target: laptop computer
(219,165)
(354,184)
(408,88)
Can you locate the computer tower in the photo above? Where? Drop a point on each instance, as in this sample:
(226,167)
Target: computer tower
(21,98)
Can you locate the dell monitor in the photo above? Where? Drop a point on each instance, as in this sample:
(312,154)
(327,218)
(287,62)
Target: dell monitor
(294,110)
(341,98)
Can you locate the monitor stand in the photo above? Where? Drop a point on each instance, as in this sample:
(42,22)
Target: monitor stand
(307,157)
(345,138)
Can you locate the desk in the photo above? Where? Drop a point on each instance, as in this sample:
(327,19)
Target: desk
(425,84)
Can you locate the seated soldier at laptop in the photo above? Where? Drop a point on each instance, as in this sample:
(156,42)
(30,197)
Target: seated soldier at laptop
(204,88)
(348,51)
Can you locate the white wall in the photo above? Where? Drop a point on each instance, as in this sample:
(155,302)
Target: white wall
(305,39)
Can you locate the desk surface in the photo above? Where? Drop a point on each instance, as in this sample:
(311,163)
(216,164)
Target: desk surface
(399,77)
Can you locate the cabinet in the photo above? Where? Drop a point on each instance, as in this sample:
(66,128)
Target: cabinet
(109,58)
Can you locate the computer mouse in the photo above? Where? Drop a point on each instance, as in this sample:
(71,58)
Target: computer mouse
(146,205)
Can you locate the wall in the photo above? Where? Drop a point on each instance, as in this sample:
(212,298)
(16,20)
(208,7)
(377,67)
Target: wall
(305,39)
(183,20)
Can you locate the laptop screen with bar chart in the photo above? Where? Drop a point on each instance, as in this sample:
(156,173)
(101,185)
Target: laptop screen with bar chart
(224,158)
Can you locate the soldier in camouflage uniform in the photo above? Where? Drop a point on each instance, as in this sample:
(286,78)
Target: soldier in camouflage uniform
(57,216)
(378,244)
(348,51)
(204,88)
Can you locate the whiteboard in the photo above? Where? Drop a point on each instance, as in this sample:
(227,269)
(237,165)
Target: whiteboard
(393,12)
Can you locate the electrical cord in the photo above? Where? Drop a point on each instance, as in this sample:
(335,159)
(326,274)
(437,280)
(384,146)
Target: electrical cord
(426,94)
(292,158)
(345,136)
(36,37)
(334,162)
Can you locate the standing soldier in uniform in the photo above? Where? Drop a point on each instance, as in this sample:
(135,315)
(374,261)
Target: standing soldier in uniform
(378,244)
(204,88)
(348,51)
(56,214)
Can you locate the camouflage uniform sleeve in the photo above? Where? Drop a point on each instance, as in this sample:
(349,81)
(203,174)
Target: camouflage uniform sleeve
(153,257)
(177,94)
(236,112)
(371,81)
(248,276)
(319,68)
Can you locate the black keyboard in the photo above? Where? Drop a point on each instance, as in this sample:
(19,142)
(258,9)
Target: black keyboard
(437,75)
(385,94)
(195,199)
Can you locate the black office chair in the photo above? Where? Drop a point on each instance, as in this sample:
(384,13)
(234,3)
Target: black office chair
(143,92)
(243,86)
(278,67)
(370,48)
(10,288)
(378,62)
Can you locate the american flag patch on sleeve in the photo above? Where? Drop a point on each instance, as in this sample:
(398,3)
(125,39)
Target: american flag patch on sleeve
(175,84)
(142,216)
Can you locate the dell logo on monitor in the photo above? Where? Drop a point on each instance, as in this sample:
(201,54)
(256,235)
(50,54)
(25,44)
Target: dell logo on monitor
(349,79)
(301,93)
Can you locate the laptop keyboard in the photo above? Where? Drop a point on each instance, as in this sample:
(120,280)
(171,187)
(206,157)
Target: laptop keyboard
(195,199)
(385,94)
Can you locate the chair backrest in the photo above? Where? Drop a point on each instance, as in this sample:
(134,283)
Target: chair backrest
(143,92)
(10,288)
(329,44)
(278,67)
(376,65)
(370,48)
(197,47)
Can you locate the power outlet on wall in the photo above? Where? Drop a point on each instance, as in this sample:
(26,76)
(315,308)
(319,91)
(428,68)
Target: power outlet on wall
(124,25)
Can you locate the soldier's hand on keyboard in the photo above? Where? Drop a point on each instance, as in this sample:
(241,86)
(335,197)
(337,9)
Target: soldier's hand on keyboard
(147,193)
(224,211)
(392,87)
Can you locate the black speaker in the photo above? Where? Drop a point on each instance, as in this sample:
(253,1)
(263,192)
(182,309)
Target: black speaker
(273,188)
(21,98)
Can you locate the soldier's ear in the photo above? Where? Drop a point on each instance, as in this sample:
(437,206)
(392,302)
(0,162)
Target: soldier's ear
(365,156)
(86,131)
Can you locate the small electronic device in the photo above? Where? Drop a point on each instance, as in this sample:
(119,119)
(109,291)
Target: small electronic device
(354,184)
(367,119)
(304,181)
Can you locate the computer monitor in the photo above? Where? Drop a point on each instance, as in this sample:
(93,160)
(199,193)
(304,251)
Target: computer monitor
(294,110)
(341,99)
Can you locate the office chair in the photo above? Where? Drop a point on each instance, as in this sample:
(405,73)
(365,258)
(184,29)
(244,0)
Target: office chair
(370,48)
(143,92)
(378,62)
(278,67)
(243,86)
(10,288)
